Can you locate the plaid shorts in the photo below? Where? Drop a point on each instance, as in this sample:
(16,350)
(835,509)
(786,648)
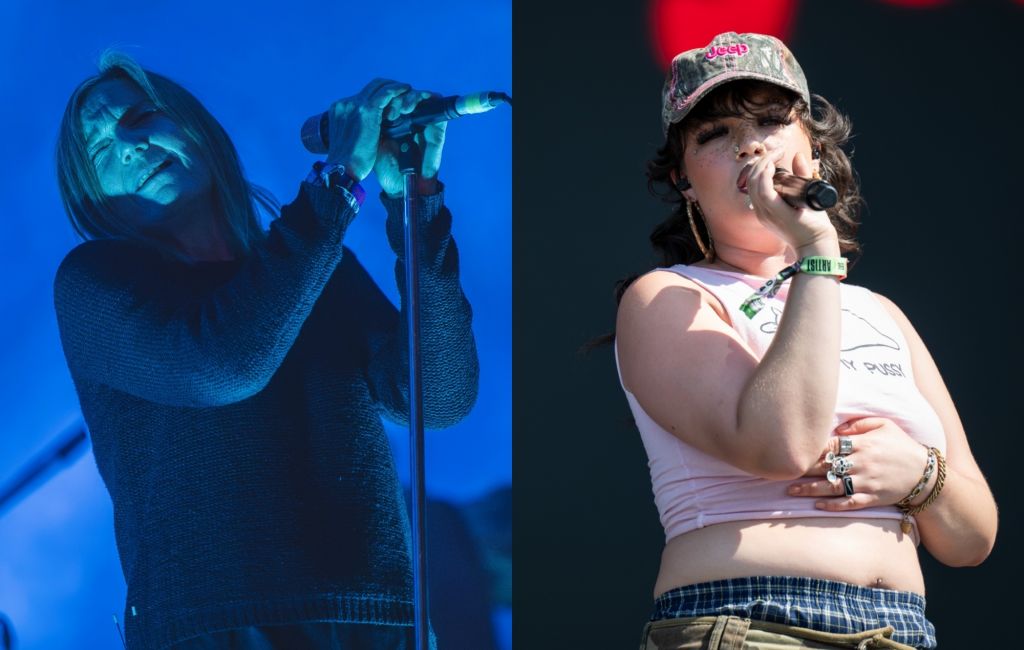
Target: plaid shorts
(824,605)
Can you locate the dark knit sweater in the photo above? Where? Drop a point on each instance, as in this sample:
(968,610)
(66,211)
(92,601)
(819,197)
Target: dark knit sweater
(234,409)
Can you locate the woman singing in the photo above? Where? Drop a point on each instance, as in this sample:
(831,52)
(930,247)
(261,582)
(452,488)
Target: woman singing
(801,441)
(233,379)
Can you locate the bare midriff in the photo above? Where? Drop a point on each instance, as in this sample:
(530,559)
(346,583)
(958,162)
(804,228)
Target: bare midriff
(866,552)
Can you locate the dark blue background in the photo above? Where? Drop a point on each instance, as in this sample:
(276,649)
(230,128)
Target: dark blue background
(261,68)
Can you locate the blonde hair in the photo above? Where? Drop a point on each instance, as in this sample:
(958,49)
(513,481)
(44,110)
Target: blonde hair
(91,215)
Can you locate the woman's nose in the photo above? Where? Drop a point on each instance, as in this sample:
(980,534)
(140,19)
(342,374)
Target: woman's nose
(747,146)
(132,148)
(749,141)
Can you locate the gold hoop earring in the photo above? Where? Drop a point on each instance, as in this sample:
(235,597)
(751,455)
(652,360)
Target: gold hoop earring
(709,249)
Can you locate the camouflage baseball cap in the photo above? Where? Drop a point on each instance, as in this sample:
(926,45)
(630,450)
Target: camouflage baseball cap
(729,56)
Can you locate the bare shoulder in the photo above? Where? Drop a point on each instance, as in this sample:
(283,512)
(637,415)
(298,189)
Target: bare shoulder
(892,308)
(650,283)
(676,354)
(670,294)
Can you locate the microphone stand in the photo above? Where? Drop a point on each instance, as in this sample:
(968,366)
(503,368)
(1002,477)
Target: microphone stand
(410,158)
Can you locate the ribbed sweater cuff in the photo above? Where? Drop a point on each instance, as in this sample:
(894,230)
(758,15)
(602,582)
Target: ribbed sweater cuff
(343,608)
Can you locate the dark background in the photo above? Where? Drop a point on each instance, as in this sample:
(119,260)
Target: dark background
(934,95)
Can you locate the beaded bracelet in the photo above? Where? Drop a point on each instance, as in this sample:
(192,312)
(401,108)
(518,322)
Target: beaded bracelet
(814,264)
(934,457)
(336,177)
(929,468)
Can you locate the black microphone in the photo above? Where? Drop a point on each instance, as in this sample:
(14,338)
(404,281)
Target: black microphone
(316,130)
(800,192)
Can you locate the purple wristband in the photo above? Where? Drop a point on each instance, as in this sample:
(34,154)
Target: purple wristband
(336,176)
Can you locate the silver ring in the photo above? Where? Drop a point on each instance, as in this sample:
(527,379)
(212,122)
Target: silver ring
(845,445)
(841,466)
(848,485)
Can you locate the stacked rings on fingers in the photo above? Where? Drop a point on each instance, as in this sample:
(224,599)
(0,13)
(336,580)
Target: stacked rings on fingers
(848,485)
(845,445)
(841,466)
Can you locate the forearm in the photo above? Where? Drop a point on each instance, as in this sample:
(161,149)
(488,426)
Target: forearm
(124,323)
(959,528)
(447,345)
(786,407)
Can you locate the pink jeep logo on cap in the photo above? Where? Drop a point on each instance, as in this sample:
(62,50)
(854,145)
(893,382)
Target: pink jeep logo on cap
(738,49)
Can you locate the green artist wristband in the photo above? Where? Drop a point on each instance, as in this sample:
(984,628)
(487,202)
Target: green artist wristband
(815,265)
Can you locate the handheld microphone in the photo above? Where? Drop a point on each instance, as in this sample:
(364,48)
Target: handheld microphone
(801,192)
(316,130)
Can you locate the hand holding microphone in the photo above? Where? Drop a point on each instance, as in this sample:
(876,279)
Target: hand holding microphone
(355,138)
(315,132)
(797,191)
(359,131)
(800,192)
(354,125)
(780,198)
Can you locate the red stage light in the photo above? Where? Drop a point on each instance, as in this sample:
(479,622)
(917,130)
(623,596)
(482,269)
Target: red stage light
(678,25)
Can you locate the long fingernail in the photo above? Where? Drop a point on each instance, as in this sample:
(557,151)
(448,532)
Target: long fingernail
(795,489)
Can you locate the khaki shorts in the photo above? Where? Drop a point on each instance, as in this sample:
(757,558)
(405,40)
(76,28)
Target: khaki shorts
(735,633)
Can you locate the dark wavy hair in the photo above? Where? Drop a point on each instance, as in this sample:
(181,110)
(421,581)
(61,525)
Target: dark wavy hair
(829,132)
(828,129)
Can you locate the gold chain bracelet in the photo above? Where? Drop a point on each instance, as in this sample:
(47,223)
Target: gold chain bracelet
(904,504)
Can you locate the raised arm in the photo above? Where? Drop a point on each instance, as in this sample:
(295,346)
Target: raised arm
(698,380)
(448,348)
(692,374)
(124,322)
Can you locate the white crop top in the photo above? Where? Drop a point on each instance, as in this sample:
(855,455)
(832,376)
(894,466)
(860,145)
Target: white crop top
(693,489)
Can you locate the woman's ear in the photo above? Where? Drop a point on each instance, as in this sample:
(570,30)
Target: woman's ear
(682,184)
(816,161)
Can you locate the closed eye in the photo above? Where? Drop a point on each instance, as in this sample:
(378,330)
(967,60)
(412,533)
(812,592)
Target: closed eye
(709,134)
(713,131)
(138,119)
(145,115)
(773,120)
(98,149)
